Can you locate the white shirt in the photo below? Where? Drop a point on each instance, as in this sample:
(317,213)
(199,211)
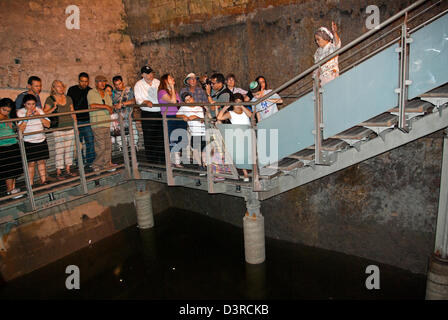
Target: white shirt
(236,118)
(197,128)
(329,70)
(32,126)
(266,108)
(143,91)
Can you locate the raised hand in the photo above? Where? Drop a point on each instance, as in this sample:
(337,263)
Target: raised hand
(334,27)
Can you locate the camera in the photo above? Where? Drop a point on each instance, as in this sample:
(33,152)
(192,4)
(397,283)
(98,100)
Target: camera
(205,82)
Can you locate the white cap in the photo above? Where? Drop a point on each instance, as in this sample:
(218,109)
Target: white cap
(190,75)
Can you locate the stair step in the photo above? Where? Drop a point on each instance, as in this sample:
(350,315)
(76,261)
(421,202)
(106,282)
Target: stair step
(305,154)
(383,120)
(355,133)
(440,92)
(415,106)
(286,164)
(331,144)
(268,173)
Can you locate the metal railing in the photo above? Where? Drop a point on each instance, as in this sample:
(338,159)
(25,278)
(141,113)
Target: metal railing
(384,40)
(129,147)
(81,178)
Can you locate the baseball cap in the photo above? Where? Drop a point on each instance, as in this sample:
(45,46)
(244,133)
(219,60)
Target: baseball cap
(100,78)
(146,69)
(254,86)
(190,75)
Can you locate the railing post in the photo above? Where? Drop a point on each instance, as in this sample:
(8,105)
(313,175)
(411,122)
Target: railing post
(256,185)
(82,173)
(29,188)
(403,91)
(441,241)
(124,144)
(208,149)
(135,172)
(166,142)
(317,119)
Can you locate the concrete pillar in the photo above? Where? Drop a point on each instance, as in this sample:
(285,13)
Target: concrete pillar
(437,281)
(441,243)
(253,226)
(143,206)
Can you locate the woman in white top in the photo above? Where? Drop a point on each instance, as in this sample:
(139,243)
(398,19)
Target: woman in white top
(36,146)
(239,115)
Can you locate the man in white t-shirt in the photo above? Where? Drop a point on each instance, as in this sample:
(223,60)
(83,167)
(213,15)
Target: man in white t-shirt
(145,92)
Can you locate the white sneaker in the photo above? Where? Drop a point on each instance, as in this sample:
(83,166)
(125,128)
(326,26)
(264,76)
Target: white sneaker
(14,191)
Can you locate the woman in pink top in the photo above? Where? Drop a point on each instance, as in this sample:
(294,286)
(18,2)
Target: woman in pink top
(177,129)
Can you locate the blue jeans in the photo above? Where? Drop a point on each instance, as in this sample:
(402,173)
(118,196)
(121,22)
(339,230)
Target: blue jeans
(86,134)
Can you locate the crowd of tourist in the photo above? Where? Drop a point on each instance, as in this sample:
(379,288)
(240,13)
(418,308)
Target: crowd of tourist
(99,127)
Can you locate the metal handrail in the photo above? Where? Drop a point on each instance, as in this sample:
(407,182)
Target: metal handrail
(132,166)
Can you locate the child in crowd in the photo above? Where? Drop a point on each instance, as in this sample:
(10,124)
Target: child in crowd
(239,115)
(10,160)
(36,146)
(194,116)
(328,43)
(268,107)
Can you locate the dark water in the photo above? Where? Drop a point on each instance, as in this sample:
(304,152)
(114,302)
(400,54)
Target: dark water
(191,256)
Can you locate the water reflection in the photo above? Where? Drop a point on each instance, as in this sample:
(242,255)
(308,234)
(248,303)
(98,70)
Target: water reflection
(256,281)
(191,256)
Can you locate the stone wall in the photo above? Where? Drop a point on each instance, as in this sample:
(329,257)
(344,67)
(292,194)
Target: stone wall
(246,37)
(35,41)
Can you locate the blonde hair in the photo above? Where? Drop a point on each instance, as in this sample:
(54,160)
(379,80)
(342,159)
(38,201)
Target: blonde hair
(53,87)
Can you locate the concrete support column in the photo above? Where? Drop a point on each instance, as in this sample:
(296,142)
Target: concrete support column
(143,206)
(437,281)
(253,226)
(441,245)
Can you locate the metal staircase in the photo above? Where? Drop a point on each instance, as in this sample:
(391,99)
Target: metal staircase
(388,98)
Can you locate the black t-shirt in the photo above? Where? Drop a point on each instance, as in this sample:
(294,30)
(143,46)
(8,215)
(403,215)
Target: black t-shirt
(79,97)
